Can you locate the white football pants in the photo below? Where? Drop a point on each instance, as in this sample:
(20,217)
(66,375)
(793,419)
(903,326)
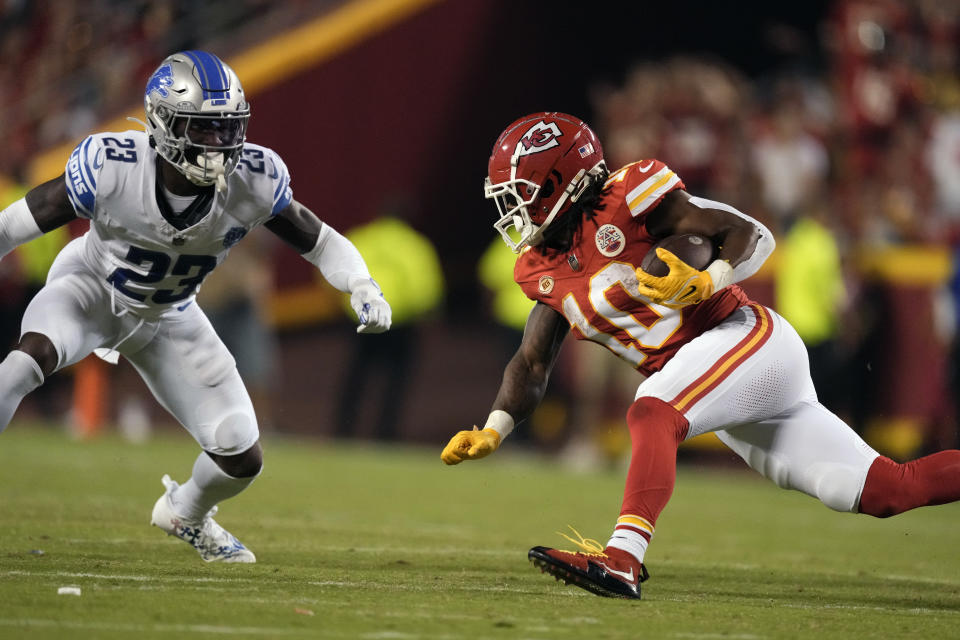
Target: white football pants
(179,355)
(748,381)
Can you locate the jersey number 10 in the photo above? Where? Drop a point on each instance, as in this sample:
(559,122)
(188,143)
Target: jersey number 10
(631,337)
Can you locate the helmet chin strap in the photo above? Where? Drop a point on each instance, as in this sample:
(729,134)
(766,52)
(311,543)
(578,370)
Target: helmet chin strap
(208,170)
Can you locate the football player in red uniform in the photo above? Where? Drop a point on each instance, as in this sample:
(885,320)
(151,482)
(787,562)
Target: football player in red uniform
(714,360)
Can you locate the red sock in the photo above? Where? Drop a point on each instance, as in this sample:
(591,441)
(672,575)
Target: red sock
(893,488)
(656,430)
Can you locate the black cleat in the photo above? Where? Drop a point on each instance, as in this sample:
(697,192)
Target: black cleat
(612,573)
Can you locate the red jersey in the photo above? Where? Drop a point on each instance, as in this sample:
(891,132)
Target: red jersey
(594,285)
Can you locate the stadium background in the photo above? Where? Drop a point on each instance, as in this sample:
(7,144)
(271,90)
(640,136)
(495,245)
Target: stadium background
(382,106)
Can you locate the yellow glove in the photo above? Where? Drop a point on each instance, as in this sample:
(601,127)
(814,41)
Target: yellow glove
(470,445)
(683,284)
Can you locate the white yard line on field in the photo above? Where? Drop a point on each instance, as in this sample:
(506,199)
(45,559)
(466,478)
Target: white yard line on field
(437,586)
(426,550)
(830,607)
(163,628)
(717,636)
(258,632)
(918,611)
(739,566)
(385,586)
(117,576)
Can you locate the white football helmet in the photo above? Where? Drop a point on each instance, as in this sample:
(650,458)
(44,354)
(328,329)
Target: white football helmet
(197,116)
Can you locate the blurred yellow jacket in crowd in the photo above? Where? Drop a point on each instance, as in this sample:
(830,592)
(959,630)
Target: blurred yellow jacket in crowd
(809,281)
(36,256)
(510,306)
(404,263)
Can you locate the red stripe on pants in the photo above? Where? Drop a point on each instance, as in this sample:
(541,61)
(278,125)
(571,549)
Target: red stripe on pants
(728,362)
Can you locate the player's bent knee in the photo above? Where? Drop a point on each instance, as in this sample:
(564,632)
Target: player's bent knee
(41,349)
(235,433)
(648,412)
(838,486)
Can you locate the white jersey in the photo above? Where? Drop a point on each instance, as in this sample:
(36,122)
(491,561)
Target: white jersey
(150,265)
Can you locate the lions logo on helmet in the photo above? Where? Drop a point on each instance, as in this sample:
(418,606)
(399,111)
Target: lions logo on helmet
(197,116)
(161,79)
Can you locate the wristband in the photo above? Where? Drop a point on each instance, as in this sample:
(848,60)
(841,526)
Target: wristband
(17,226)
(501,422)
(360,281)
(721,274)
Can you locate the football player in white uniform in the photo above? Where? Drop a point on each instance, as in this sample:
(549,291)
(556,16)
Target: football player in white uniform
(165,206)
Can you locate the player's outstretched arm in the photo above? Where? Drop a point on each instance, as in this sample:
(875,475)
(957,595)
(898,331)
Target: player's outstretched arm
(522,388)
(744,245)
(338,260)
(44,208)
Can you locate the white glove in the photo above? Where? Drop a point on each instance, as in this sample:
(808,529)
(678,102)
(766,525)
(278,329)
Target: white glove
(368,303)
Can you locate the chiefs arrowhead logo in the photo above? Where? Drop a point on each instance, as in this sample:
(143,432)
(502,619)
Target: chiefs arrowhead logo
(539,137)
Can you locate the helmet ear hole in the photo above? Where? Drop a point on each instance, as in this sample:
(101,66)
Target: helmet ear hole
(547,189)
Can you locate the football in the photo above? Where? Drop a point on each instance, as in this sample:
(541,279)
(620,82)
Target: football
(694,249)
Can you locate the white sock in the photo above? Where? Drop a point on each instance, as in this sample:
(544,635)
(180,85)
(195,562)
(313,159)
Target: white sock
(19,375)
(206,487)
(628,539)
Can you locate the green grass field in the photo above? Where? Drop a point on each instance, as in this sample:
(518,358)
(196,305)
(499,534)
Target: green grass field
(378,543)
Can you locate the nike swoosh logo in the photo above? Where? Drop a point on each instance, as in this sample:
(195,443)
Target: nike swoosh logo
(623,574)
(98,159)
(275,173)
(646,168)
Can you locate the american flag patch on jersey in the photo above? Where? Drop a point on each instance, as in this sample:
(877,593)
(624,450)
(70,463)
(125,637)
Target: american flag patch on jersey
(585,150)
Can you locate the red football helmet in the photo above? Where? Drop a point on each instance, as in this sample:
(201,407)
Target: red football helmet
(540,164)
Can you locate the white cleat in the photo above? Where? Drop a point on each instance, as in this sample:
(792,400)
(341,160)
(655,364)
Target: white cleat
(212,542)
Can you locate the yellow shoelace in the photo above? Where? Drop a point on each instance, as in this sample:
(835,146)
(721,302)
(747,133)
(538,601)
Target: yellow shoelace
(588,546)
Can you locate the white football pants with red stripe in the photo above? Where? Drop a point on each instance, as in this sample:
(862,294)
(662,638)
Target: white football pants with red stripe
(748,381)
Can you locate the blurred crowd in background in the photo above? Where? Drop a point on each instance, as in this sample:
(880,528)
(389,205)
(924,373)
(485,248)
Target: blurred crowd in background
(68,66)
(853,146)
